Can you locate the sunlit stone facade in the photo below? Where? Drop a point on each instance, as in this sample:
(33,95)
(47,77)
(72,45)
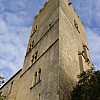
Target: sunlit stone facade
(57,52)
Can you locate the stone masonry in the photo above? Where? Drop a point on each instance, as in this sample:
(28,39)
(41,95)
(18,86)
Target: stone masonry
(57,52)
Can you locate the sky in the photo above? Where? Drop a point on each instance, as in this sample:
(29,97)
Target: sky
(16,19)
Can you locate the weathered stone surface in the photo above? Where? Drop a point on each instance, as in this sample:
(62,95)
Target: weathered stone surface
(56,48)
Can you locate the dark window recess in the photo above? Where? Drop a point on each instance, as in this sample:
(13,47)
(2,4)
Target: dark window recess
(80,62)
(35,78)
(84,46)
(39,75)
(39,97)
(11,87)
(32,43)
(69,3)
(36,27)
(50,25)
(85,52)
(34,57)
(76,26)
(31,46)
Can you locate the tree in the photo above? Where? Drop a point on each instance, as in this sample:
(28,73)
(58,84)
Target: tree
(1,82)
(88,86)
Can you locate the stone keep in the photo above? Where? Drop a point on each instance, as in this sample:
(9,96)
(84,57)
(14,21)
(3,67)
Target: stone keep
(57,52)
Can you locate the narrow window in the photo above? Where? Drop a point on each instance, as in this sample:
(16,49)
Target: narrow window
(32,43)
(50,25)
(39,97)
(86,50)
(35,78)
(39,75)
(76,26)
(80,62)
(34,57)
(36,27)
(69,3)
(11,87)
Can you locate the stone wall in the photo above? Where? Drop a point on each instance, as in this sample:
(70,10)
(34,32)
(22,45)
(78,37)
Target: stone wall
(57,52)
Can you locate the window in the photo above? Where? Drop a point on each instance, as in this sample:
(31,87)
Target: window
(35,78)
(11,87)
(39,96)
(85,52)
(32,43)
(34,57)
(50,25)
(39,75)
(69,3)
(76,26)
(85,48)
(80,61)
(30,47)
(36,27)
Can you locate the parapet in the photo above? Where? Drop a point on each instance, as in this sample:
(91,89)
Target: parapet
(42,9)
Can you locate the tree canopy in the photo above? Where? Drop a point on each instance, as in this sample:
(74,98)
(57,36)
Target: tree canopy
(88,86)
(1,80)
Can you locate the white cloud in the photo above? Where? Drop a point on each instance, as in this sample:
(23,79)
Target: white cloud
(94,43)
(16,18)
(13,44)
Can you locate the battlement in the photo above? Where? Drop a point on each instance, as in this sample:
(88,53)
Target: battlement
(42,9)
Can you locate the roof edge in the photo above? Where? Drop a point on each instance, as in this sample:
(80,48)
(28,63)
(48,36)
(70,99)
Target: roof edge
(11,78)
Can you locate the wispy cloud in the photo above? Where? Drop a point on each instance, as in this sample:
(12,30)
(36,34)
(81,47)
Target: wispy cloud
(94,43)
(16,18)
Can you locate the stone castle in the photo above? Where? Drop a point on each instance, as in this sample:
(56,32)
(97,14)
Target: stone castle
(57,52)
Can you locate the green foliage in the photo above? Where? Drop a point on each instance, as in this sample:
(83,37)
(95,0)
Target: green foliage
(2,97)
(88,86)
(1,80)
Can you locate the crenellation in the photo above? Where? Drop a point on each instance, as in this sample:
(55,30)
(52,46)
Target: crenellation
(42,9)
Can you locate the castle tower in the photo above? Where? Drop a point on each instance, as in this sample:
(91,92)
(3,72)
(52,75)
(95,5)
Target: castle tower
(57,52)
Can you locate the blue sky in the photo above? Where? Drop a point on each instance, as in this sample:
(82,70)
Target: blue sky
(16,18)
